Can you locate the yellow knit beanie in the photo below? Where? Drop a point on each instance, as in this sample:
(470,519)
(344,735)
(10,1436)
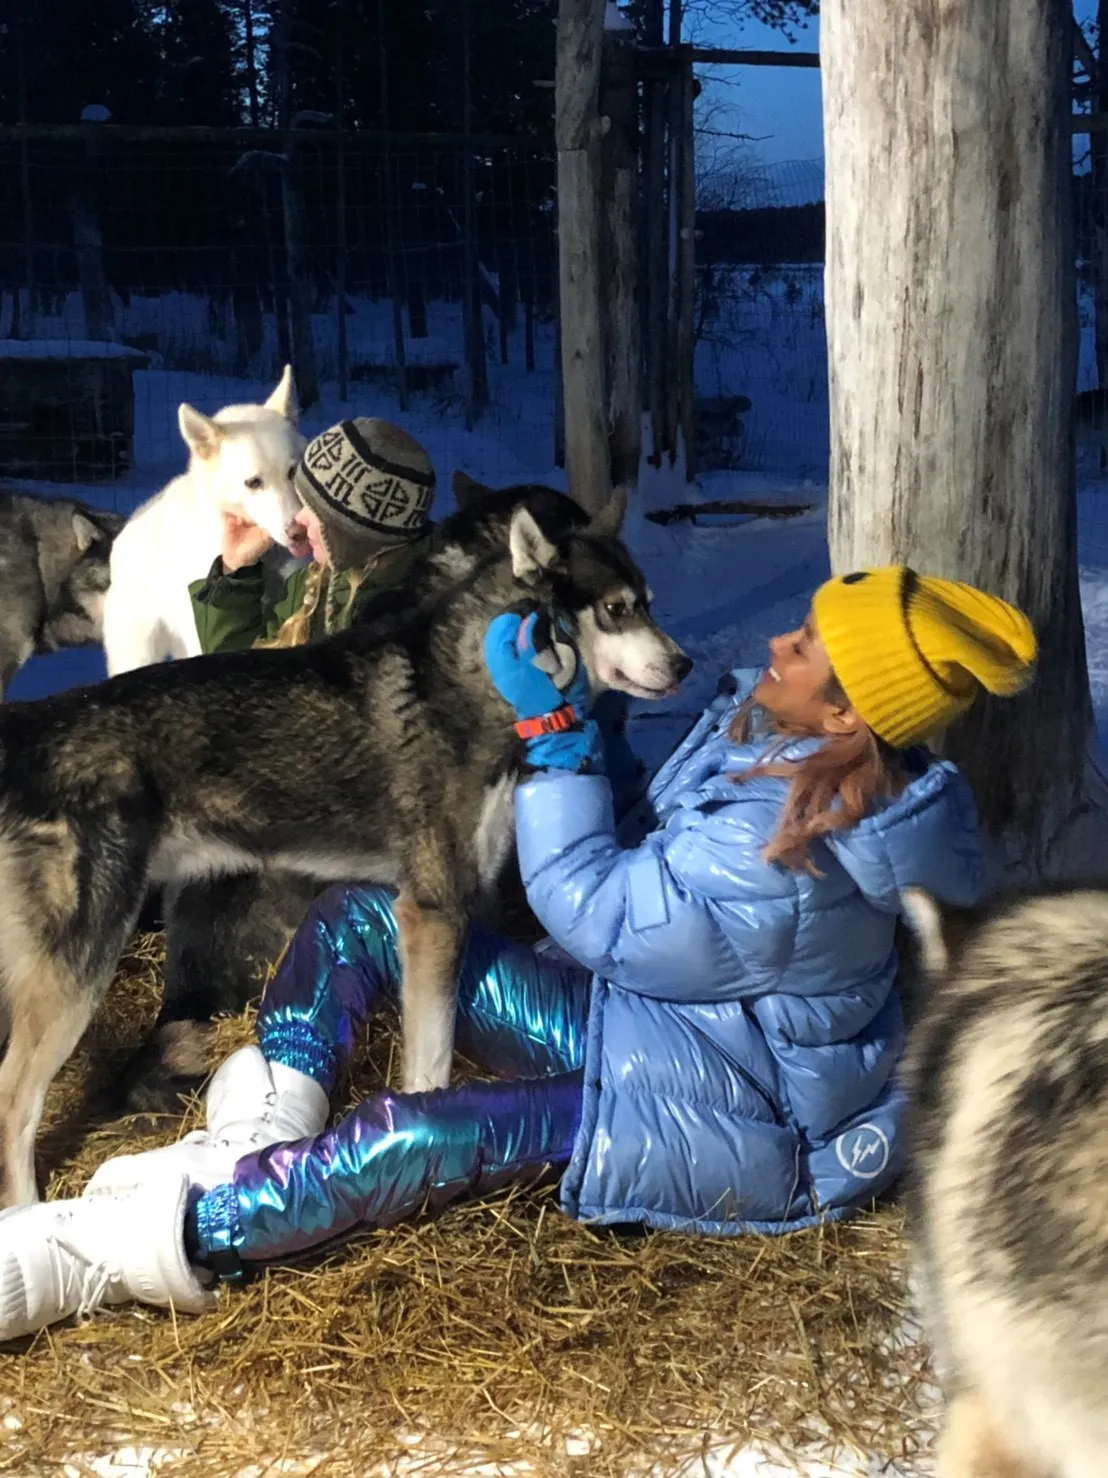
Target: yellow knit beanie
(912,652)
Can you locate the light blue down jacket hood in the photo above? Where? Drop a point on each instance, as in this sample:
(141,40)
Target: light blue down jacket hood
(743,1030)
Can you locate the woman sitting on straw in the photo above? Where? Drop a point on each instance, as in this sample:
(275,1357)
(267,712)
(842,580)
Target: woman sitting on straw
(714,1050)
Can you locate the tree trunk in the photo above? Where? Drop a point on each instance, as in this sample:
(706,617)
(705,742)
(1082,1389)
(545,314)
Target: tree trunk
(391,275)
(620,256)
(577,84)
(24,326)
(654,236)
(675,111)
(952,343)
(249,325)
(280,65)
(559,385)
(685,365)
(508,297)
(477,397)
(251,62)
(1098,142)
(529,323)
(417,309)
(299,276)
(342,347)
(275,273)
(297,262)
(92,274)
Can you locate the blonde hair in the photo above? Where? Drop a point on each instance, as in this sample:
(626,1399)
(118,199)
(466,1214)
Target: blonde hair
(296,629)
(832,789)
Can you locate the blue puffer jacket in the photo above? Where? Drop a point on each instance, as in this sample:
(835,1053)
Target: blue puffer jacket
(744,1030)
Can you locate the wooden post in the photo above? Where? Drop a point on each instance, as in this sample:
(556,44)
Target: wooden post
(577,87)
(685,362)
(654,237)
(508,293)
(528,294)
(952,349)
(294,217)
(477,396)
(299,277)
(23,326)
(392,286)
(1098,146)
(619,256)
(276,273)
(675,159)
(343,353)
(559,384)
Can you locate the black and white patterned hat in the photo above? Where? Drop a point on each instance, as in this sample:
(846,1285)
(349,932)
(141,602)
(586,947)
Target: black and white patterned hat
(369,483)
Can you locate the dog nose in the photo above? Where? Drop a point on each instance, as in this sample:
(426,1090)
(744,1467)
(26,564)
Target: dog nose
(682,667)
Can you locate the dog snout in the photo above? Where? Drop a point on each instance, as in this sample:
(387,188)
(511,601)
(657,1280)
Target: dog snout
(682,666)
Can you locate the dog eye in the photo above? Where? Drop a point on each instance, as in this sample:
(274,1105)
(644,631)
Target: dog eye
(292,472)
(615,609)
(254,483)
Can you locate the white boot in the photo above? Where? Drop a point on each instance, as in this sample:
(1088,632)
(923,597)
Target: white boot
(70,1257)
(251,1103)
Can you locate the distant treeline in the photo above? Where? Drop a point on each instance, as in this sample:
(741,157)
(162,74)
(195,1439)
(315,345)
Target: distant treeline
(765,236)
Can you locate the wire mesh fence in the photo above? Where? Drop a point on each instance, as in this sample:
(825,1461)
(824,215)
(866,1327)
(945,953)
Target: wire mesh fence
(412,276)
(761,341)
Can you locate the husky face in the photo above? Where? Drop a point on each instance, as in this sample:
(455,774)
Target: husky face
(249,455)
(591,579)
(621,644)
(78,617)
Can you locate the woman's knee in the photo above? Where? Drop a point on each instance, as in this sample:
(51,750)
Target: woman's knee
(368,901)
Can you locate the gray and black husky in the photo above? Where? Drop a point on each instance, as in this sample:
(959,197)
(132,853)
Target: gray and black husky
(54,573)
(384,753)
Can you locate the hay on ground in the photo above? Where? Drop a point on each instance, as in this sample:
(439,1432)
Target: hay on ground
(493,1333)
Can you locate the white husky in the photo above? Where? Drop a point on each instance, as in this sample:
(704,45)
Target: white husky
(241,460)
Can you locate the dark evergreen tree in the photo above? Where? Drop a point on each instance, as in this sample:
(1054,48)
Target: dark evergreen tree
(197,82)
(74,55)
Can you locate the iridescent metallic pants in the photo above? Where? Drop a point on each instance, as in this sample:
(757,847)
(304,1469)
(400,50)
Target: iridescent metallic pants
(520,1014)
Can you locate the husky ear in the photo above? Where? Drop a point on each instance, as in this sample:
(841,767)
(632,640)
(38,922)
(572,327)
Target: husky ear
(940,930)
(202,434)
(467,489)
(283,400)
(608,522)
(85,532)
(533,554)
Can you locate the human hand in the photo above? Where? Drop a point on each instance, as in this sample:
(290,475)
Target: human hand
(244,542)
(551,718)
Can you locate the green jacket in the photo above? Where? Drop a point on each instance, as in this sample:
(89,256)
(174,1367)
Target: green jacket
(232,611)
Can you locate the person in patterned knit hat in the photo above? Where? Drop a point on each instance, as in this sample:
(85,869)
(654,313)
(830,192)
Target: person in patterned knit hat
(367,488)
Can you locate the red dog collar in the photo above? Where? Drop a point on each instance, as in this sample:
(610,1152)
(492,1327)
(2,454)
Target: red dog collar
(547,723)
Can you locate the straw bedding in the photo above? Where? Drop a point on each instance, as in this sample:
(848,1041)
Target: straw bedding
(498,1333)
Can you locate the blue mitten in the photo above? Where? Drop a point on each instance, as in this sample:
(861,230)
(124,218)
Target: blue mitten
(551,719)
